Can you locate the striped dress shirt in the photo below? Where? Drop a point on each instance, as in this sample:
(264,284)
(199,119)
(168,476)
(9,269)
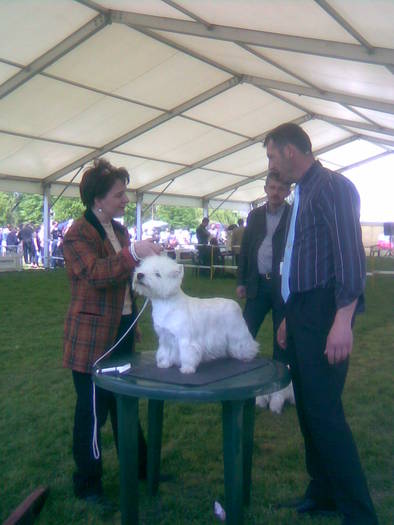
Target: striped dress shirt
(328,249)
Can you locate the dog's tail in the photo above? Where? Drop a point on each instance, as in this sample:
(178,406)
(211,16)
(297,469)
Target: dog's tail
(242,345)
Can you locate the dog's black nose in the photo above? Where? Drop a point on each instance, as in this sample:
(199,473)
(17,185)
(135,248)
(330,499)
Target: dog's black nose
(140,276)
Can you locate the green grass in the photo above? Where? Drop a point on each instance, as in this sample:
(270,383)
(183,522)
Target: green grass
(37,404)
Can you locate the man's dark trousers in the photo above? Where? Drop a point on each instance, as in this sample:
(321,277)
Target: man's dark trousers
(332,459)
(267,298)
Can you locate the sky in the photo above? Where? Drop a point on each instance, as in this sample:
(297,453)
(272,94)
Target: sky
(375,184)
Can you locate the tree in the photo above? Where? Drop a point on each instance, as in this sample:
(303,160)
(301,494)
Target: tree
(67,208)
(179,217)
(29,209)
(7,205)
(225,217)
(130,214)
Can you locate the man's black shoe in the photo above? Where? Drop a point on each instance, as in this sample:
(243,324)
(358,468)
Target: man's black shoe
(311,506)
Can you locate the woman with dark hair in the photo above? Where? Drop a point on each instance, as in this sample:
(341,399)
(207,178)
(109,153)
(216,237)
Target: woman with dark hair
(99,260)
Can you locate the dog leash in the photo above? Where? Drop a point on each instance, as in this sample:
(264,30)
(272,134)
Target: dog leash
(118,369)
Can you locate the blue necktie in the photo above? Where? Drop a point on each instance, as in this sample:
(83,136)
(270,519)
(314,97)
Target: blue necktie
(289,247)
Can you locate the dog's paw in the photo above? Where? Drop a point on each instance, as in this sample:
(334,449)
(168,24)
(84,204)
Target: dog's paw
(187,369)
(163,363)
(262,401)
(276,404)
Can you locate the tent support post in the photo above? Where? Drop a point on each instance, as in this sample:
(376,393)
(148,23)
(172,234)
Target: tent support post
(139,216)
(47,221)
(205,208)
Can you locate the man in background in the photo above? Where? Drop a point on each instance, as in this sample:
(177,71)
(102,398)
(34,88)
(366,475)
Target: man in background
(203,235)
(236,240)
(262,245)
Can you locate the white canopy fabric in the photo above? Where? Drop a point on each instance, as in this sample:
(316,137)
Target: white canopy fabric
(182,93)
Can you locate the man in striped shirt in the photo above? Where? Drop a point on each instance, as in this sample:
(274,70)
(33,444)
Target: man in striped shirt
(325,278)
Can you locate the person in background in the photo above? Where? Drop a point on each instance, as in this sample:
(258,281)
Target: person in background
(258,278)
(3,239)
(236,240)
(26,236)
(323,280)
(99,261)
(203,236)
(12,241)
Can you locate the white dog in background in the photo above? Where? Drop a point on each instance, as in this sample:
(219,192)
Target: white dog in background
(277,400)
(190,330)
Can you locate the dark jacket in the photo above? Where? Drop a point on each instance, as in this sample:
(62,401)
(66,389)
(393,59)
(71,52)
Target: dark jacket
(255,232)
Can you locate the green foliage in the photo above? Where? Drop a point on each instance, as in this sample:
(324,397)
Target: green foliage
(225,217)
(7,203)
(29,209)
(130,214)
(180,217)
(68,208)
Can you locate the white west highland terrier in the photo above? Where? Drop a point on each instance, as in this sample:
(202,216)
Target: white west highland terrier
(190,330)
(276,400)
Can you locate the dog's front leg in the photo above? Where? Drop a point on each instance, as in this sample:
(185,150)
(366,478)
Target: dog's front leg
(190,354)
(166,354)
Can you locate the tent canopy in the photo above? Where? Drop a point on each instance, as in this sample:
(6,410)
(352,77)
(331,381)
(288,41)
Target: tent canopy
(182,93)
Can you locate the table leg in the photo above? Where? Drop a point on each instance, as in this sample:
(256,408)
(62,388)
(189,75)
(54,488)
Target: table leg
(233,414)
(155,426)
(128,458)
(248,433)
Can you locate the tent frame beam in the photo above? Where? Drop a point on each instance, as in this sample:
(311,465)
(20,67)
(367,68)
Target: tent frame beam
(148,126)
(314,46)
(341,98)
(48,58)
(214,157)
(263,174)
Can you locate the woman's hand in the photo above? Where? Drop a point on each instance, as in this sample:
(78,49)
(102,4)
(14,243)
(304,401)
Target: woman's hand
(146,248)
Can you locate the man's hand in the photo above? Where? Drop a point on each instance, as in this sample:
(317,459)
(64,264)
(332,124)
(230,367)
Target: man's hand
(339,342)
(340,338)
(281,335)
(241,292)
(146,248)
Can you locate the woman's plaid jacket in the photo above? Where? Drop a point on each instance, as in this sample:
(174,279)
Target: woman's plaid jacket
(98,278)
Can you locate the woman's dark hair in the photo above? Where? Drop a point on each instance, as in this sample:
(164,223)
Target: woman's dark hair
(98,180)
(290,133)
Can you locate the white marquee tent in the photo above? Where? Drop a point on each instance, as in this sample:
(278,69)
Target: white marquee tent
(182,93)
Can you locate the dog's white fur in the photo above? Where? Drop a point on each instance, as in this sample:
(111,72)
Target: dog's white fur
(276,400)
(190,330)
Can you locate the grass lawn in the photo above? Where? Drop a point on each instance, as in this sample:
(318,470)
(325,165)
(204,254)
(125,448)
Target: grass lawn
(37,404)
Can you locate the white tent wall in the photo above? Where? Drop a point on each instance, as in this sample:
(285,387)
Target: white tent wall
(182,93)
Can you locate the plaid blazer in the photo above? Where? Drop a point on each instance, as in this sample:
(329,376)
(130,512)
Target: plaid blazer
(98,278)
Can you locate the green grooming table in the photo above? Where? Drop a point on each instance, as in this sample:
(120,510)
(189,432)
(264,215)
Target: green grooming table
(236,388)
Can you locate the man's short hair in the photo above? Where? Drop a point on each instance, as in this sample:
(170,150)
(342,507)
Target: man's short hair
(274,175)
(205,220)
(290,133)
(98,180)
